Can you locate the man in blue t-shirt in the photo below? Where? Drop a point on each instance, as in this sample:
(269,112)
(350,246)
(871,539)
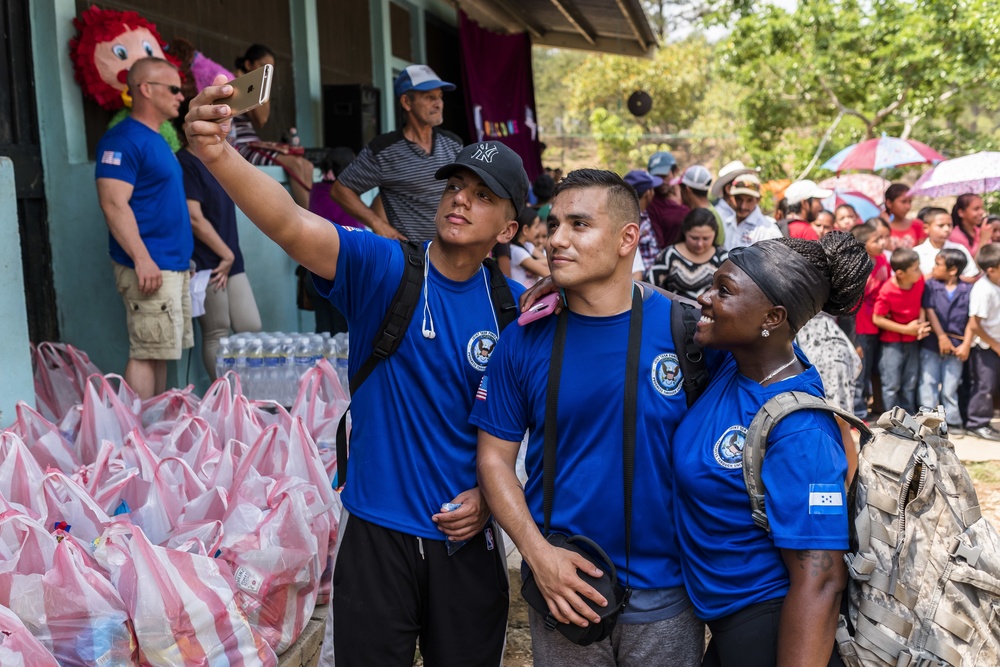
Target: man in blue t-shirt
(407,568)
(594,231)
(140,187)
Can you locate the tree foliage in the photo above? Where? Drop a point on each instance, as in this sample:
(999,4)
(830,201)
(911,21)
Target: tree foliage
(903,67)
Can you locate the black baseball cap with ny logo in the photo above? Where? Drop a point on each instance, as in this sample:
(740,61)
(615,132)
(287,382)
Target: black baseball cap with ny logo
(499,167)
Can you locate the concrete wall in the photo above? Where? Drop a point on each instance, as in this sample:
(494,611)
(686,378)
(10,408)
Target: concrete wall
(15,360)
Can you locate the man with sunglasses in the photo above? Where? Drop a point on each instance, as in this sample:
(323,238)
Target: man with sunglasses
(140,187)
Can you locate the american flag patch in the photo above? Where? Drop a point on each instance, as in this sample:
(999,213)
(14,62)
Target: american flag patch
(112,158)
(826,499)
(481,392)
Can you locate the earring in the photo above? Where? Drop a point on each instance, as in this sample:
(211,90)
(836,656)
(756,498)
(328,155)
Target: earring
(765,333)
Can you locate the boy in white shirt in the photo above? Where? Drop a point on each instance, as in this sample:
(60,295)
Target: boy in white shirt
(937,225)
(984,323)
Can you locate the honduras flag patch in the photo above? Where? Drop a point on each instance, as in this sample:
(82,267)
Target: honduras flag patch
(826,499)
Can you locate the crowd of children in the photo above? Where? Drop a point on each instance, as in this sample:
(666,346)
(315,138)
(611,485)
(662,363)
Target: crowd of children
(929,322)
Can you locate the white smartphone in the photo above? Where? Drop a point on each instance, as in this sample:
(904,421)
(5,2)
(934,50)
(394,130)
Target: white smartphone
(249,91)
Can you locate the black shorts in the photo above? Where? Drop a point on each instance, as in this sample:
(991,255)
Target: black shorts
(392,590)
(749,638)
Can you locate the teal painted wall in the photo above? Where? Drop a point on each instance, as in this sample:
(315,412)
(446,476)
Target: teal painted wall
(15,359)
(90,310)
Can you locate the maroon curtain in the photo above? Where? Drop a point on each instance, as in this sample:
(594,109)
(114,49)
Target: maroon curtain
(499,91)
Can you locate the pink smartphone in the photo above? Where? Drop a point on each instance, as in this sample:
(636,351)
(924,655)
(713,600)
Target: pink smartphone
(540,308)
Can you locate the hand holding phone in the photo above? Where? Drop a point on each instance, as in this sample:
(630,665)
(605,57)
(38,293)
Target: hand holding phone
(249,91)
(541,308)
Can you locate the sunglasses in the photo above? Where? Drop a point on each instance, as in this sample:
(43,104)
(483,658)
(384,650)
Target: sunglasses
(173,89)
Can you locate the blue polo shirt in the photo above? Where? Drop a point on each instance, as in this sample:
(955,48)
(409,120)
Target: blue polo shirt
(729,562)
(589,494)
(133,153)
(951,308)
(412,447)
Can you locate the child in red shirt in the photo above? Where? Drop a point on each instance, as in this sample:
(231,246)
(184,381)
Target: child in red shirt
(902,322)
(873,234)
(903,233)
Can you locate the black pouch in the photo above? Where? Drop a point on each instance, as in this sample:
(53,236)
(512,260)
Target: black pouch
(607,585)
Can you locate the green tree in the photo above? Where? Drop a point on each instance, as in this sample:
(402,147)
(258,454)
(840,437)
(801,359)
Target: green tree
(846,70)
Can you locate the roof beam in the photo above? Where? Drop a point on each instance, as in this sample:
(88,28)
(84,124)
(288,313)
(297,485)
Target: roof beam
(524,21)
(576,19)
(632,24)
(571,40)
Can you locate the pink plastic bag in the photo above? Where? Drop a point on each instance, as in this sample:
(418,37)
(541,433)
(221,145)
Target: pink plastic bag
(108,414)
(193,440)
(169,406)
(66,501)
(60,373)
(182,604)
(320,404)
(18,647)
(25,546)
(44,439)
(20,476)
(72,609)
(273,544)
(278,455)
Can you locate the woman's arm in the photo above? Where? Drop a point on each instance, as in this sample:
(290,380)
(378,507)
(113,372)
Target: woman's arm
(811,609)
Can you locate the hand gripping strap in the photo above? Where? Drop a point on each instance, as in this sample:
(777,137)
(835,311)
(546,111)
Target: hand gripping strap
(776,409)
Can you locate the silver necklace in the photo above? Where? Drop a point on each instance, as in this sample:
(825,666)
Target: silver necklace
(778,370)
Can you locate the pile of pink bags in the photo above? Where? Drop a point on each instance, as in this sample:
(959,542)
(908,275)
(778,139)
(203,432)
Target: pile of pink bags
(175,531)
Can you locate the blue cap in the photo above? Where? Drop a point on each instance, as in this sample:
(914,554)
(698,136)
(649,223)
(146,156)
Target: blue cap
(642,181)
(661,163)
(419,77)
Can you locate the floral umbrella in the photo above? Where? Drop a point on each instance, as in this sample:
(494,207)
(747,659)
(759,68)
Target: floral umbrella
(870,185)
(978,173)
(881,153)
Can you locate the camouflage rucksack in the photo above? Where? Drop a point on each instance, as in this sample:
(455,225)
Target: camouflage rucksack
(924,564)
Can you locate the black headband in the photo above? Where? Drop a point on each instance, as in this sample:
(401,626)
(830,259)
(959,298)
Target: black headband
(785,277)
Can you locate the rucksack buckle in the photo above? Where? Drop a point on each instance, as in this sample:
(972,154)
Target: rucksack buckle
(915,657)
(760,518)
(960,549)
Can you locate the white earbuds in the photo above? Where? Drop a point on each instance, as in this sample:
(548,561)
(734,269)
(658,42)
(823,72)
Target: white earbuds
(428,333)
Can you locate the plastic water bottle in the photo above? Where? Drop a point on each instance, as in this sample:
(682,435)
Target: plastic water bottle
(222,355)
(256,382)
(342,346)
(239,350)
(290,376)
(272,369)
(303,357)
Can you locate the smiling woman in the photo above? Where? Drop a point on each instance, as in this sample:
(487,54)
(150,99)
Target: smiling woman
(768,597)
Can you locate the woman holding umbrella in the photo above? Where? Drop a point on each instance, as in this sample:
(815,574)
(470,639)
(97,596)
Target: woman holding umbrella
(967,218)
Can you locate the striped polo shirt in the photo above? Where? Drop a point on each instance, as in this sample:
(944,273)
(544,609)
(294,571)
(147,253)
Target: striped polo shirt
(404,174)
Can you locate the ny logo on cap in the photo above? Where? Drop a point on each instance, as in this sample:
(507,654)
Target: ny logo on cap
(485,153)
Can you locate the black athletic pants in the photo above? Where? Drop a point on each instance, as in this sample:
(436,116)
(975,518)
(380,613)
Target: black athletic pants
(749,638)
(392,590)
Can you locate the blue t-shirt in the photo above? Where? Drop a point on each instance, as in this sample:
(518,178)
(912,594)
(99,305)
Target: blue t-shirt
(412,447)
(589,493)
(218,209)
(729,562)
(133,153)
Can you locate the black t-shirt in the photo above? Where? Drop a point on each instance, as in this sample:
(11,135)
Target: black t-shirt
(217,207)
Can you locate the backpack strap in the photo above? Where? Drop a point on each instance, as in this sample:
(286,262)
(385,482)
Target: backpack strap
(390,335)
(777,408)
(691,359)
(504,304)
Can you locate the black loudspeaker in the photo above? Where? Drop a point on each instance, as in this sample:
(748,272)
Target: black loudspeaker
(350,115)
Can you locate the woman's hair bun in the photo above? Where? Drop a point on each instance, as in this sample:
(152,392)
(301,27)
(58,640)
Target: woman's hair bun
(849,266)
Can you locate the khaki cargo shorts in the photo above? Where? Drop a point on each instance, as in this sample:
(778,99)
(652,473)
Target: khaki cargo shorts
(159,324)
